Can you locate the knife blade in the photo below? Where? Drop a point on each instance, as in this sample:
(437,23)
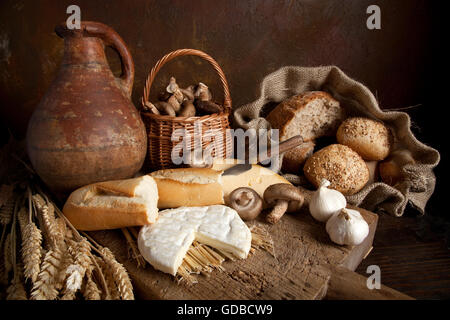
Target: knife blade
(283,146)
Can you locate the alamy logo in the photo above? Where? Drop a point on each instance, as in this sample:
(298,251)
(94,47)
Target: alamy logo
(198,148)
(374,281)
(74,20)
(374,20)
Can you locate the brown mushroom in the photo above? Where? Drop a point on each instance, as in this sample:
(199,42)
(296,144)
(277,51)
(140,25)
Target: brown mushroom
(207,107)
(202,92)
(187,109)
(164,96)
(151,107)
(246,202)
(282,197)
(188,93)
(165,108)
(173,101)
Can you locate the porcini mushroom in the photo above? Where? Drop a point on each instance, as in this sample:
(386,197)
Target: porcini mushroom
(246,202)
(187,109)
(202,92)
(282,197)
(207,107)
(188,93)
(151,107)
(165,108)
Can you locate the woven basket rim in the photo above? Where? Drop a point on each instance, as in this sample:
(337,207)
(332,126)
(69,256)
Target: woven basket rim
(184,119)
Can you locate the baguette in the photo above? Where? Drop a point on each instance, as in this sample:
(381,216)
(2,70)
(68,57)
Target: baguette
(188,187)
(113,204)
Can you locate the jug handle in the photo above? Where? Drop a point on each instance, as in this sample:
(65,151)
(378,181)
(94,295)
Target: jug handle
(112,39)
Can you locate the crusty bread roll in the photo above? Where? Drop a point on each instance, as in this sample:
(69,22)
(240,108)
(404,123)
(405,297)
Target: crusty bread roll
(188,187)
(343,167)
(113,204)
(311,114)
(294,159)
(371,139)
(391,170)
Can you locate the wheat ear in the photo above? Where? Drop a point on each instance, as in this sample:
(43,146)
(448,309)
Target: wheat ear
(91,291)
(47,213)
(31,246)
(111,290)
(120,274)
(44,287)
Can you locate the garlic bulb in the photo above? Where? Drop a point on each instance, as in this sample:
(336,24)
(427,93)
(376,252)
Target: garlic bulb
(325,202)
(347,227)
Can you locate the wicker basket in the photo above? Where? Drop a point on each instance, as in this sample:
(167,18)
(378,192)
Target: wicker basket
(161,127)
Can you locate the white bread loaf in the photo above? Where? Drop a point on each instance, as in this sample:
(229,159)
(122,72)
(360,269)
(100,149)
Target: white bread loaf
(311,115)
(113,204)
(188,187)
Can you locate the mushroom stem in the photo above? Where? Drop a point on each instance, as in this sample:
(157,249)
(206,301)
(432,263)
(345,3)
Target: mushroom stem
(277,212)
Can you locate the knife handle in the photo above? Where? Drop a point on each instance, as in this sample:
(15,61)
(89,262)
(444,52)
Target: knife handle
(282,147)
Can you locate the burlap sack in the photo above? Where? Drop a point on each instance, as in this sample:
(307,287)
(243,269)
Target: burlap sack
(357,100)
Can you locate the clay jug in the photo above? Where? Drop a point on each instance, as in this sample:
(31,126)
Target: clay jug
(86,129)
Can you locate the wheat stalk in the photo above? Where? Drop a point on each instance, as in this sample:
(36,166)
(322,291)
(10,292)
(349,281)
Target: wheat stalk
(7,254)
(44,287)
(120,274)
(7,203)
(91,291)
(133,250)
(111,290)
(16,291)
(31,246)
(47,213)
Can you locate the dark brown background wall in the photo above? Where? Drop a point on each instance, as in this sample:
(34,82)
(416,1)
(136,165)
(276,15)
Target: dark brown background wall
(248,38)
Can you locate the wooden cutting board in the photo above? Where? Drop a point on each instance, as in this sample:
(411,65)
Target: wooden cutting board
(305,265)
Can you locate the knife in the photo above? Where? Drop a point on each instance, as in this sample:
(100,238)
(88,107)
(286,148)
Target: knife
(284,146)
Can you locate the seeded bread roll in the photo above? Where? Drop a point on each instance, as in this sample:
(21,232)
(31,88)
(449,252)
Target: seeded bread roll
(311,115)
(371,139)
(294,159)
(343,167)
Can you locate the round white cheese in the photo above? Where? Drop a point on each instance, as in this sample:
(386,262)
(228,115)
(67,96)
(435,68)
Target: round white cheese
(165,243)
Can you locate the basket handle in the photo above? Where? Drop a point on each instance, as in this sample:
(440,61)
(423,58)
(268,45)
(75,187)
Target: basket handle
(188,52)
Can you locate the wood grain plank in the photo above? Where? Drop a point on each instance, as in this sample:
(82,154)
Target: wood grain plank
(299,269)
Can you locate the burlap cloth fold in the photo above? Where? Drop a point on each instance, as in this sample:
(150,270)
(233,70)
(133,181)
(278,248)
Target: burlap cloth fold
(357,99)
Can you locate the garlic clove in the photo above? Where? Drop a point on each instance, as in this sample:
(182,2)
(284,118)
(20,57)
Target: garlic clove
(347,227)
(326,202)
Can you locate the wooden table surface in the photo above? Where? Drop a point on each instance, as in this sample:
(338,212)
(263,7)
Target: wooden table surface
(413,254)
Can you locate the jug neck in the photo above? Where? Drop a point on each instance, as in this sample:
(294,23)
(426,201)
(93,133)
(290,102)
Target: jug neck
(84,50)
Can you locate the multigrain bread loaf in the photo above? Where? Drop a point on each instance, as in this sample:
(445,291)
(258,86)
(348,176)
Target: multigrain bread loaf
(188,187)
(294,159)
(371,139)
(312,114)
(343,167)
(113,204)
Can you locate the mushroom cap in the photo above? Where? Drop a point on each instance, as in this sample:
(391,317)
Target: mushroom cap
(286,192)
(246,202)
